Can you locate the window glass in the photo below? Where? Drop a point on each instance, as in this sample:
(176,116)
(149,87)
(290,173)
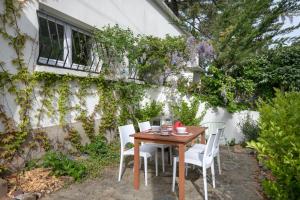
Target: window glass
(81,48)
(51,39)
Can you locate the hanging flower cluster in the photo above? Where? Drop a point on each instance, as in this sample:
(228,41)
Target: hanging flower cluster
(200,52)
(176,58)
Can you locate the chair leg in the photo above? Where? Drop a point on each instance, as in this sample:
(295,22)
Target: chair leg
(205,183)
(213,174)
(171,154)
(120,168)
(146,171)
(163,158)
(219,163)
(156,163)
(174,173)
(186,169)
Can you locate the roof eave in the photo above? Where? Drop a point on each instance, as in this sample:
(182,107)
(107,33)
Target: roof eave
(171,15)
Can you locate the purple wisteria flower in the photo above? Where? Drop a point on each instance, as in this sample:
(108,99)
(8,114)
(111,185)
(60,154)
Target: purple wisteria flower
(176,58)
(191,41)
(205,50)
(201,51)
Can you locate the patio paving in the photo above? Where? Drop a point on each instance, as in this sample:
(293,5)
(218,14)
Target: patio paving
(238,181)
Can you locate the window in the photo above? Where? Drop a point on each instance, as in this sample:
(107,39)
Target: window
(51,37)
(65,46)
(81,48)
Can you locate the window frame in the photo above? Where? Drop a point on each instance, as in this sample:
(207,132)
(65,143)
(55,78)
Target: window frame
(91,53)
(67,62)
(44,60)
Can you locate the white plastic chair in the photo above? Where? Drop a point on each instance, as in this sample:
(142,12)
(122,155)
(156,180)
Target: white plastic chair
(144,126)
(146,150)
(201,148)
(202,159)
(212,127)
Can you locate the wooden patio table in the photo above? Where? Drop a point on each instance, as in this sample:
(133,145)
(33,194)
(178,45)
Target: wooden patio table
(180,141)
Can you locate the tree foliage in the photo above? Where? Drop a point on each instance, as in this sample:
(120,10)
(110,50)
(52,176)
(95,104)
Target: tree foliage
(249,46)
(277,68)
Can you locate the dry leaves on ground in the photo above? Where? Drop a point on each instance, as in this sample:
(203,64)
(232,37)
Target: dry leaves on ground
(36,180)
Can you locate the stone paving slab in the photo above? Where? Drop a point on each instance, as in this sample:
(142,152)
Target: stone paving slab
(237,182)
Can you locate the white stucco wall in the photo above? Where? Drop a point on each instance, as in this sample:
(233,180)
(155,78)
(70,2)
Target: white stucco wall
(141,16)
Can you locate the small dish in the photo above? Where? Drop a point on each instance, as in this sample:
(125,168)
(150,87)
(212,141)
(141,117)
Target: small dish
(182,133)
(165,133)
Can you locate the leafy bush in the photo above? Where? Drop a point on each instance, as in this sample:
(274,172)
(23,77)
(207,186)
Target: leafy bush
(187,114)
(249,128)
(220,89)
(99,159)
(149,111)
(31,164)
(277,68)
(61,165)
(160,58)
(256,77)
(97,148)
(278,145)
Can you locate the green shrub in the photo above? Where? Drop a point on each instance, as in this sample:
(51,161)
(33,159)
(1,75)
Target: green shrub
(97,148)
(231,142)
(61,165)
(249,128)
(187,114)
(100,159)
(31,164)
(278,145)
(149,111)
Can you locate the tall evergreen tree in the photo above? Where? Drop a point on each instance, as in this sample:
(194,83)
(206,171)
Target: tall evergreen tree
(238,29)
(242,33)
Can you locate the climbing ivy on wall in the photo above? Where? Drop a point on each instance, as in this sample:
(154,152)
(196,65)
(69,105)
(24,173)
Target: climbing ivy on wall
(50,96)
(19,84)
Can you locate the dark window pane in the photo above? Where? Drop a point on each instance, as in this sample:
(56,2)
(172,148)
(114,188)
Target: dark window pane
(51,39)
(81,48)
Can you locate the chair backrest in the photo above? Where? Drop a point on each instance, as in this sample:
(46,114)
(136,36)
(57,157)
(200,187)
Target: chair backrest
(209,151)
(212,127)
(125,132)
(143,126)
(216,144)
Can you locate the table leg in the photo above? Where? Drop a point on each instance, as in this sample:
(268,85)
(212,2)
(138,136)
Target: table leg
(202,140)
(181,172)
(136,164)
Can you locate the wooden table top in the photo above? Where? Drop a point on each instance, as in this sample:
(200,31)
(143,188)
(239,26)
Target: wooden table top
(194,131)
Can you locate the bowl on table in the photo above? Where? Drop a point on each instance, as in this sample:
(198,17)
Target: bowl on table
(170,128)
(181,130)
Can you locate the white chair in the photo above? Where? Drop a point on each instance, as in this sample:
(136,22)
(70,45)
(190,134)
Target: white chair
(146,151)
(201,147)
(212,127)
(204,160)
(144,126)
